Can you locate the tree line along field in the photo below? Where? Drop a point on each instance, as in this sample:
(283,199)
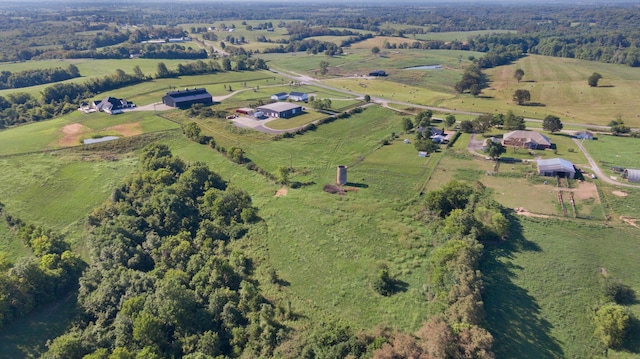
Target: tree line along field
(540,285)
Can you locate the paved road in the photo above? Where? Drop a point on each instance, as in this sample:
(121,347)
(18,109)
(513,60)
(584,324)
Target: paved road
(596,169)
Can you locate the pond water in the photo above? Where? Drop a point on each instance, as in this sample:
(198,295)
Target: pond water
(89,141)
(425,67)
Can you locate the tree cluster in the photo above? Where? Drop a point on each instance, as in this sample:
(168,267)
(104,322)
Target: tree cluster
(50,273)
(485,122)
(164,279)
(473,80)
(311,46)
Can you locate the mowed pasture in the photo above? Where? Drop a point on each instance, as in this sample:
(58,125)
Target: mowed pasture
(541,287)
(560,88)
(71,129)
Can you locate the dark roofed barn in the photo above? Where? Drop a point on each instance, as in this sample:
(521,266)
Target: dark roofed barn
(187,97)
(378,73)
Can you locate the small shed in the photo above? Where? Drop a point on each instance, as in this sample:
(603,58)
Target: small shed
(378,73)
(631,175)
(298,96)
(584,135)
(556,167)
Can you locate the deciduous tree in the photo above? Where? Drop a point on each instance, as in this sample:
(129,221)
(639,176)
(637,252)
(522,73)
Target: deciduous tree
(611,322)
(593,79)
(552,123)
(521,96)
(519,74)
(495,149)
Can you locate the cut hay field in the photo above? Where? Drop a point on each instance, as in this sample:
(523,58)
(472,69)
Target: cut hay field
(560,85)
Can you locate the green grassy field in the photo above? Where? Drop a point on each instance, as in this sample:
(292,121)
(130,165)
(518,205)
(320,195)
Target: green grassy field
(59,189)
(56,133)
(540,285)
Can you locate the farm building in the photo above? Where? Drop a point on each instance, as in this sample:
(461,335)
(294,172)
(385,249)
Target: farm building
(280,109)
(298,96)
(526,139)
(112,105)
(280,96)
(556,167)
(187,97)
(631,175)
(584,135)
(377,73)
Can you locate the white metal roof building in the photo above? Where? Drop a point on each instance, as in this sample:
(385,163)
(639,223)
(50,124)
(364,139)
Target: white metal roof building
(281,109)
(556,167)
(631,175)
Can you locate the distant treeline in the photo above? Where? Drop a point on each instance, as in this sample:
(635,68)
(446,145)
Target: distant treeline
(9,80)
(145,51)
(309,45)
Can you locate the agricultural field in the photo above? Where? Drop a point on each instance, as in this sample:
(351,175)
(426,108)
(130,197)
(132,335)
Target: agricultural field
(560,87)
(541,282)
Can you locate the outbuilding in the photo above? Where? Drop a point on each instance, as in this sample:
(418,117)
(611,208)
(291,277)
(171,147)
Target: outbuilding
(378,73)
(584,135)
(556,167)
(631,175)
(298,96)
(281,96)
(187,97)
(280,109)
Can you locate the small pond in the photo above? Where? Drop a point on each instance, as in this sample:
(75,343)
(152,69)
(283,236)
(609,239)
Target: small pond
(89,141)
(425,67)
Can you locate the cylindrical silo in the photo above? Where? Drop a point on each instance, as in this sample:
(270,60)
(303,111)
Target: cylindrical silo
(342,175)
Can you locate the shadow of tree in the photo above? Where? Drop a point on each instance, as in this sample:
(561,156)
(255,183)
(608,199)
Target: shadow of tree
(632,339)
(513,316)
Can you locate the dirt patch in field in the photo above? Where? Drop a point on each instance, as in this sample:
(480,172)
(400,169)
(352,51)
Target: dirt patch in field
(281,192)
(585,190)
(71,134)
(620,193)
(127,129)
(523,212)
(630,221)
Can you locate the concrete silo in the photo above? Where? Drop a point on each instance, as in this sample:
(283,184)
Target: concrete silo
(342,175)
